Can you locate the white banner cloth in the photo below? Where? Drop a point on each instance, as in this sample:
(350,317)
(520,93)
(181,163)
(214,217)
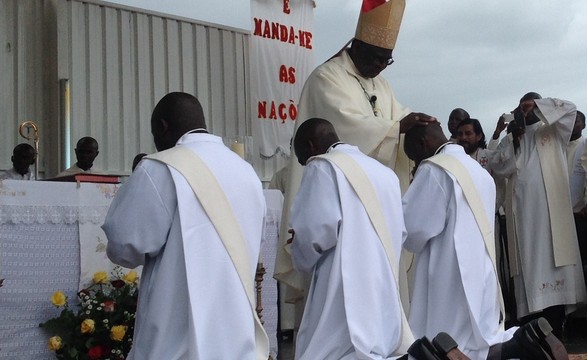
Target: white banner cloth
(281,60)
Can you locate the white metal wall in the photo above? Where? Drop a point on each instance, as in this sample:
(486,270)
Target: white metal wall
(119,62)
(25,65)
(123,62)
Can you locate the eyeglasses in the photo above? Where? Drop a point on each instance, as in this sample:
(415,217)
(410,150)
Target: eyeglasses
(381,59)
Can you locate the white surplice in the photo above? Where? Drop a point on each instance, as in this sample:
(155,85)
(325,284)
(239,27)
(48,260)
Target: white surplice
(539,283)
(74,170)
(352,311)
(337,92)
(12,174)
(145,226)
(455,285)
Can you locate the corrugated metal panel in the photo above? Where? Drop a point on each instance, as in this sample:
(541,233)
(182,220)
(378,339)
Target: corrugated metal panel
(165,55)
(21,72)
(119,62)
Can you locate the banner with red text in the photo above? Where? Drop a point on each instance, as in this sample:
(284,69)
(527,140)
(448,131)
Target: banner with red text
(281,60)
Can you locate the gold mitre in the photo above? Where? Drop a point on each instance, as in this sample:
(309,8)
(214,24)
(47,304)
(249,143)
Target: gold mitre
(380,25)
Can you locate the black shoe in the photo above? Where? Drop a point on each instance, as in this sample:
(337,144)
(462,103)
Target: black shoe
(422,349)
(538,343)
(442,347)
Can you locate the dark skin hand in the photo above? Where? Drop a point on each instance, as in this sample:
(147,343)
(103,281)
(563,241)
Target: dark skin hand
(501,125)
(292,232)
(415,119)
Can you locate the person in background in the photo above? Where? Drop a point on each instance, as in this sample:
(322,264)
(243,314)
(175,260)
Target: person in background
(454,119)
(86,152)
(578,183)
(544,253)
(23,156)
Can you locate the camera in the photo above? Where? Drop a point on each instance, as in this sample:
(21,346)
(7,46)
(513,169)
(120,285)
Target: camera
(508,117)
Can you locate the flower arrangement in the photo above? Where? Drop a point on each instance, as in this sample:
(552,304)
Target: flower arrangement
(103,326)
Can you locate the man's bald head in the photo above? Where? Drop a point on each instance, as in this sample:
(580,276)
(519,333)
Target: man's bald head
(454,119)
(23,156)
(313,137)
(421,142)
(86,151)
(175,114)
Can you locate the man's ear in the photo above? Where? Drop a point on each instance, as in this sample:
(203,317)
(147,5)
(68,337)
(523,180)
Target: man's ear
(314,150)
(164,125)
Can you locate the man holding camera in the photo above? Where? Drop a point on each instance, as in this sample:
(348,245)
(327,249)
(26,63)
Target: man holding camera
(543,248)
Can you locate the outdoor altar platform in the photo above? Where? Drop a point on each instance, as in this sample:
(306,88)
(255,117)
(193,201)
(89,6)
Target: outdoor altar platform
(51,239)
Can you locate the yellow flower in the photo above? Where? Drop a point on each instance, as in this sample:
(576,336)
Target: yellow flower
(117,332)
(100,277)
(55,343)
(59,299)
(131,277)
(88,326)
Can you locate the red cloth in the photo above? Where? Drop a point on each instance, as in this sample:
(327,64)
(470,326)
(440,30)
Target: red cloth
(369,5)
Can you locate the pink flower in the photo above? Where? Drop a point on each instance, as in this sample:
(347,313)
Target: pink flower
(109,306)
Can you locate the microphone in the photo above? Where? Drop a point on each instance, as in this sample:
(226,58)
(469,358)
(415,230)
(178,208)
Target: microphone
(373,99)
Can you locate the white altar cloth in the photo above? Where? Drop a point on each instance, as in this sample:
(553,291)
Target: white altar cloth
(41,227)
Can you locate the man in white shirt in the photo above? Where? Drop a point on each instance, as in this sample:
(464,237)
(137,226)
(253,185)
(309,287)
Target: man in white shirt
(448,212)
(577,157)
(23,156)
(575,150)
(86,151)
(194,299)
(543,248)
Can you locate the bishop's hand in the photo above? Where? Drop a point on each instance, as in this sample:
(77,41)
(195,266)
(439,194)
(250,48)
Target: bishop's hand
(414,119)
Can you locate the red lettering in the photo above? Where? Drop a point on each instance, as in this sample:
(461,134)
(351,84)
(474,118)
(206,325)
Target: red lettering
(262,109)
(292,36)
(267,31)
(283,33)
(308,41)
(286,8)
(275,30)
(305,39)
(272,114)
(283,75)
(291,73)
(258,24)
(282,112)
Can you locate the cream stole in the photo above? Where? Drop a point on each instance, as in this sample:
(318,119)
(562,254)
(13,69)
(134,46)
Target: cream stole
(210,195)
(364,189)
(560,210)
(454,167)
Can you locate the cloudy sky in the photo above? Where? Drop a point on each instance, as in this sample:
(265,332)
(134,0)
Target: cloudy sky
(478,55)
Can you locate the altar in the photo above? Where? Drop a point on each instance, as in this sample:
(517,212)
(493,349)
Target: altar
(50,239)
